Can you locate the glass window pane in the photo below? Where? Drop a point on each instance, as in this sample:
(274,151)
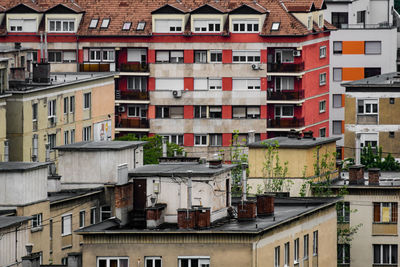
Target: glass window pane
(102,263)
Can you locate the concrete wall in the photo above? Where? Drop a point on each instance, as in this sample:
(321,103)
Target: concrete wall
(9,254)
(3,127)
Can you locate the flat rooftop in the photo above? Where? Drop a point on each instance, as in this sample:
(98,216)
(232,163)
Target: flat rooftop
(100,145)
(8,49)
(16,166)
(286,209)
(179,169)
(388,81)
(386,180)
(288,142)
(7,221)
(66,195)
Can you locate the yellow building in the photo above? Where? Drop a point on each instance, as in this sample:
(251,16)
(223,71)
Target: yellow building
(304,157)
(296,235)
(73,107)
(3,127)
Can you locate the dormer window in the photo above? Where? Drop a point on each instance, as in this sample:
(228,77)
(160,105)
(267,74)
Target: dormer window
(105,23)
(207,25)
(275,26)
(93,23)
(127,26)
(309,23)
(140,26)
(249,25)
(22,25)
(321,20)
(61,25)
(168,25)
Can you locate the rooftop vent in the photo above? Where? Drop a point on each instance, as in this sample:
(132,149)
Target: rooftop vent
(293,134)
(308,135)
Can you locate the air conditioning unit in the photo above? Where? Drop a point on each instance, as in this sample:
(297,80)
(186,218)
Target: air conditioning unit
(177,93)
(296,53)
(269,78)
(121,109)
(255,66)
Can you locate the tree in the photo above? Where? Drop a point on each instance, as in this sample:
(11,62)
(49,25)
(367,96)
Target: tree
(237,157)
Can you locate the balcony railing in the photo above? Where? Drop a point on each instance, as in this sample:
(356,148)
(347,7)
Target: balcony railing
(286,123)
(94,67)
(285,95)
(131,95)
(382,25)
(134,67)
(132,123)
(285,67)
(367,118)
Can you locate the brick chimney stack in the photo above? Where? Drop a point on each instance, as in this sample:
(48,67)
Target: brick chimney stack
(373,176)
(356,174)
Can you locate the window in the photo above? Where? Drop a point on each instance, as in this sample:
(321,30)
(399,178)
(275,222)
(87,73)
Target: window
(246,84)
(36,220)
(194,261)
(93,23)
(215,139)
(95,54)
(337,47)
(169,56)
(368,107)
(162,112)
(72,104)
(337,74)
(200,112)
(87,133)
(137,83)
(134,111)
(385,212)
(65,107)
(322,106)
(284,111)
(361,16)
(337,100)
(373,47)
(215,84)
(343,212)
(320,21)
(305,245)
(51,138)
(113,262)
(104,55)
(32,56)
(105,213)
(322,132)
(284,56)
(82,214)
(315,243)
(22,25)
(105,23)
(391,134)
(340,19)
(55,56)
(245,112)
(322,52)
(337,127)
(296,251)
(168,25)
(216,56)
(152,261)
(108,55)
(215,112)
(246,56)
(66,137)
(370,72)
(309,23)
(141,25)
(34,111)
(287,254)
(284,83)
(200,56)
(174,138)
(72,136)
(200,140)
(385,254)
(275,26)
(322,78)
(277,257)
(93,215)
(127,26)
(66,227)
(86,100)
(207,25)
(250,25)
(343,256)
(61,25)
(137,55)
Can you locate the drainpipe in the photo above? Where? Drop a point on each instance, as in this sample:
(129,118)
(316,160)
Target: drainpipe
(41,47)
(77,53)
(244,182)
(45,47)
(189,187)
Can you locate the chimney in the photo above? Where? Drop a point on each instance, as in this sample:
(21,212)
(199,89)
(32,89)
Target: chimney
(31,259)
(203,217)
(308,135)
(53,183)
(265,205)
(252,137)
(246,210)
(155,215)
(189,189)
(75,259)
(373,176)
(356,174)
(123,194)
(186,218)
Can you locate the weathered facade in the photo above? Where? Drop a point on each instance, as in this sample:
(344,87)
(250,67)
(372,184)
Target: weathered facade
(3,129)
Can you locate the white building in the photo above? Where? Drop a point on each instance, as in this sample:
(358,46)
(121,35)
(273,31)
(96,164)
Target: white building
(364,45)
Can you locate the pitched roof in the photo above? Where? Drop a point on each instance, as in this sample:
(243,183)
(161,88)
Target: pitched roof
(303,5)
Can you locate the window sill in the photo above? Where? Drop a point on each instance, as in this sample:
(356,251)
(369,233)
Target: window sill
(37,229)
(66,234)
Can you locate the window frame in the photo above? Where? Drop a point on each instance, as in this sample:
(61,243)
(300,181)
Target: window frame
(306,242)
(209,22)
(215,140)
(345,259)
(93,219)
(286,257)
(87,100)
(277,256)
(153,259)
(343,212)
(37,220)
(315,243)
(393,216)
(199,258)
(341,47)
(82,218)
(62,21)
(178,29)
(296,251)
(137,111)
(169,57)
(245,23)
(214,114)
(380,48)
(87,133)
(322,51)
(246,54)
(95,22)
(281,111)
(381,254)
(367,102)
(105,23)
(202,54)
(55,57)
(112,258)
(322,106)
(202,138)
(322,132)
(322,78)
(63,232)
(216,53)
(102,212)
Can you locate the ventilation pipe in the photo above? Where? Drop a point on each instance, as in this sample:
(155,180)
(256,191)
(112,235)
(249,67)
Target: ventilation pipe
(189,188)
(244,182)
(41,47)
(45,47)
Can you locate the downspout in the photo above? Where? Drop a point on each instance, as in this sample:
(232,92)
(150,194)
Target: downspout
(77,53)
(134,157)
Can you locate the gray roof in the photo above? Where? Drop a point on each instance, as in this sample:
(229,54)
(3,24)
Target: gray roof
(179,169)
(7,221)
(286,142)
(388,180)
(66,195)
(100,145)
(388,81)
(16,166)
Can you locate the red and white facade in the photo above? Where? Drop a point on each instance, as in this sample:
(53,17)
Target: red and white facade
(193,73)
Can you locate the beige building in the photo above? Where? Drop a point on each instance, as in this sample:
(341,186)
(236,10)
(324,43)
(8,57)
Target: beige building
(71,108)
(3,128)
(372,106)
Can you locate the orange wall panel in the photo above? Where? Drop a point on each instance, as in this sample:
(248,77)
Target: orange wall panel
(352,74)
(353,48)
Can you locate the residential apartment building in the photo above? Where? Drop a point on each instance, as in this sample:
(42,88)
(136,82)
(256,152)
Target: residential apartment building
(363,46)
(192,71)
(3,128)
(67,108)
(372,201)
(372,106)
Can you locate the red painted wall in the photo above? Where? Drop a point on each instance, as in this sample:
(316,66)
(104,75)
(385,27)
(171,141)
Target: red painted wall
(263,54)
(151,56)
(264,83)
(226,139)
(123,56)
(263,112)
(226,83)
(310,55)
(188,139)
(123,83)
(316,128)
(226,56)
(152,84)
(188,83)
(310,82)
(227,112)
(311,112)
(263,136)
(188,112)
(151,112)
(188,56)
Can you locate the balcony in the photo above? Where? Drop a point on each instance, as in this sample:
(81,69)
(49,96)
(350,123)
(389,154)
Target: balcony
(132,123)
(131,95)
(285,95)
(285,67)
(94,67)
(285,123)
(383,25)
(134,67)
(367,119)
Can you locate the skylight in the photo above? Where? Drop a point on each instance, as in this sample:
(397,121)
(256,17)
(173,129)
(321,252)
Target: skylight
(93,23)
(127,26)
(105,23)
(275,26)
(140,26)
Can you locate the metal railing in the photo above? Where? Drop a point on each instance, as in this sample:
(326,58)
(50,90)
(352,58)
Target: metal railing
(285,95)
(132,123)
(285,67)
(134,67)
(132,95)
(383,25)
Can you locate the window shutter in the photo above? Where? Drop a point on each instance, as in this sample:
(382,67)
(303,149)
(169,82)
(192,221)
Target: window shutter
(377,212)
(161,56)
(372,47)
(200,84)
(239,84)
(394,212)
